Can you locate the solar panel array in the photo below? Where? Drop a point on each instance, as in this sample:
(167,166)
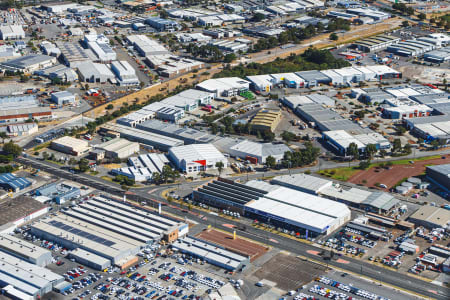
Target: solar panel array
(82,233)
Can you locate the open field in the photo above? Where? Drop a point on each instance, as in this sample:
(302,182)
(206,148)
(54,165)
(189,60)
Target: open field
(342,174)
(239,245)
(289,272)
(390,177)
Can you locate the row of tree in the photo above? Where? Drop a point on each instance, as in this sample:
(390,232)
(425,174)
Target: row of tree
(298,158)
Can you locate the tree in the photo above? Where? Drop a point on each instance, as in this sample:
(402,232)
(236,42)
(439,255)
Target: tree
(3,136)
(422,16)
(288,136)
(229,58)
(83,165)
(270,162)
(72,161)
(156,177)
(12,148)
(407,149)
(371,149)
(397,146)
(269,136)
(166,173)
(219,166)
(45,155)
(353,151)
(334,37)
(405,23)
(258,17)
(364,164)
(109,106)
(383,153)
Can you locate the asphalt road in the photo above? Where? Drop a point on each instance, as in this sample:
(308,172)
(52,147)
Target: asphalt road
(360,267)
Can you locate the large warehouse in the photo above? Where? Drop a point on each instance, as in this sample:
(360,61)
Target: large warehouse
(431,217)
(28,281)
(280,206)
(226,87)
(11,32)
(17,212)
(70,145)
(439,175)
(119,148)
(196,157)
(25,250)
(28,63)
(266,119)
(340,140)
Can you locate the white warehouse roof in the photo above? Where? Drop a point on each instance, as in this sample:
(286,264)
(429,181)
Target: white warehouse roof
(195,152)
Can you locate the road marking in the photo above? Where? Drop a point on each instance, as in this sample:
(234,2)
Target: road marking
(313,252)
(229,225)
(342,261)
(433,291)
(274,241)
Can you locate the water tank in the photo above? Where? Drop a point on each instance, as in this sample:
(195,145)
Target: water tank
(402,190)
(414,180)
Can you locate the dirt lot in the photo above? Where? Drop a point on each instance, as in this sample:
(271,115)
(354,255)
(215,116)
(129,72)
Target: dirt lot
(289,272)
(239,245)
(392,176)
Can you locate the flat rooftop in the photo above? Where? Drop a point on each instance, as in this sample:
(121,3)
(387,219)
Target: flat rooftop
(19,207)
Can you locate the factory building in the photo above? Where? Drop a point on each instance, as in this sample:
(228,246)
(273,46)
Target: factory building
(162,24)
(186,134)
(73,54)
(169,65)
(58,192)
(375,43)
(341,139)
(65,74)
(73,233)
(378,202)
(410,48)
(313,78)
(226,87)
(230,46)
(70,145)
(196,157)
(119,148)
(145,46)
(63,98)
(10,182)
(438,56)
(28,63)
(20,129)
(254,152)
(158,110)
(22,115)
(407,111)
(25,280)
(431,217)
(437,39)
(24,250)
(290,80)
(298,100)
(190,100)
(261,83)
(266,119)
(15,102)
(99,44)
(49,49)
(157,141)
(439,175)
(89,259)
(17,212)
(11,32)
(141,168)
(276,205)
(125,73)
(431,128)
(95,73)
(211,253)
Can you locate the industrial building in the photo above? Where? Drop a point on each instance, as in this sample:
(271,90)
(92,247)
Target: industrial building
(254,152)
(378,202)
(11,32)
(375,43)
(125,73)
(163,24)
(410,48)
(59,192)
(21,210)
(261,83)
(266,120)
(313,78)
(439,175)
(15,102)
(158,110)
(63,98)
(341,139)
(431,217)
(89,259)
(22,115)
(230,46)
(431,128)
(65,74)
(10,182)
(406,111)
(157,141)
(226,87)
(168,65)
(290,80)
(298,100)
(196,157)
(371,95)
(99,44)
(211,253)
(73,54)
(28,63)
(25,250)
(280,206)
(146,46)
(186,134)
(190,100)
(20,129)
(26,280)
(119,148)
(95,72)
(70,145)
(438,56)
(141,168)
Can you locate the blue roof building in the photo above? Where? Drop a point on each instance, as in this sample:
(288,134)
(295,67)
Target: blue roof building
(59,192)
(9,181)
